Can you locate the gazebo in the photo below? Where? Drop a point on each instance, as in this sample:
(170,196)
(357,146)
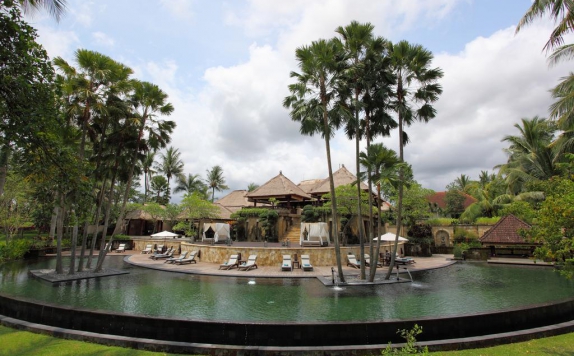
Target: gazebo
(504,238)
(281,189)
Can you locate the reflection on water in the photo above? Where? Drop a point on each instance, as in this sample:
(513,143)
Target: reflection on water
(459,289)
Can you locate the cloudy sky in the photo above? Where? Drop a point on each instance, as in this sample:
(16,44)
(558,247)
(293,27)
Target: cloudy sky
(225,66)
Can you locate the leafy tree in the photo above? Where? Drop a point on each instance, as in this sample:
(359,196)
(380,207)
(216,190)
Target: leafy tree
(521,209)
(215,181)
(314,103)
(147,164)
(156,212)
(252,186)
(172,212)
(555,225)
(56,8)
(196,208)
(454,200)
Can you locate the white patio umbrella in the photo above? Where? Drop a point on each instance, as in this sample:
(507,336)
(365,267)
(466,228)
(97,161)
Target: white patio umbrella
(389,236)
(165,234)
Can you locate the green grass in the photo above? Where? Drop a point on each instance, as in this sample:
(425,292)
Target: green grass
(19,343)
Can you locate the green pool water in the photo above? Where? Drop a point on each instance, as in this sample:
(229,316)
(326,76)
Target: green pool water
(466,288)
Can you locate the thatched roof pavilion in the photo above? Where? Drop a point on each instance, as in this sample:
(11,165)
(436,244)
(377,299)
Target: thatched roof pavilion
(506,232)
(236,200)
(341,177)
(280,188)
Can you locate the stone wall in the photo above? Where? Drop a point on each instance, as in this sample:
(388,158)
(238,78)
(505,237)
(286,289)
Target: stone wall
(446,232)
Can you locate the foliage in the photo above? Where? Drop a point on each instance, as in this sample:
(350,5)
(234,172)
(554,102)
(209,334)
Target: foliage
(122,237)
(442,222)
(555,226)
(245,213)
(172,212)
(215,180)
(310,214)
(194,207)
(15,204)
(347,200)
(487,221)
(155,210)
(454,200)
(268,220)
(457,250)
(14,249)
(160,188)
(521,209)
(420,233)
(415,203)
(462,235)
(410,347)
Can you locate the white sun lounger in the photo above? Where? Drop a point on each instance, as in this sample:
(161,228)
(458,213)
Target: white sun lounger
(305,264)
(249,265)
(287,264)
(231,263)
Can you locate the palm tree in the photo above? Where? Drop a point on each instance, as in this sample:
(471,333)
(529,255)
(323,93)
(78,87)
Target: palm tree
(252,186)
(314,103)
(190,184)
(562,11)
(215,180)
(383,164)
(55,8)
(171,163)
(529,156)
(416,83)
(356,39)
(148,101)
(160,188)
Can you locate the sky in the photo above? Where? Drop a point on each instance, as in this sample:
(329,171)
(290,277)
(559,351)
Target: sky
(225,66)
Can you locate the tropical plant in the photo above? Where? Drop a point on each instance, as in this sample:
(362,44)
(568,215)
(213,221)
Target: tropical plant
(191,184)
(252,186)
(160,189)
(416,83)
(148,163)
(171,164)
(55,8)
(215,181)
(314,103)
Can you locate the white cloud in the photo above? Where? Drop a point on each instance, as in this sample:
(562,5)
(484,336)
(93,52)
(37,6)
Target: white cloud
(181,9)
(103,39)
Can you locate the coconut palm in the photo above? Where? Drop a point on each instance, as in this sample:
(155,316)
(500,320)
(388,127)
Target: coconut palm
(314,102)
(190,184)
(415,84)
(562,11)
(147,167)
(215,181)
(171,164)
(252,186)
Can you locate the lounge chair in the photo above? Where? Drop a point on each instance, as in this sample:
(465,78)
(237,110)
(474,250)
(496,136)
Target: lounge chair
(352,261)
(190,259)
(249,265)
(305,264)
(159,249)
(121,248)
(147,249)
(167,254)
(173,259)
(404,260)
(287,264)
(231,263)
(368,261)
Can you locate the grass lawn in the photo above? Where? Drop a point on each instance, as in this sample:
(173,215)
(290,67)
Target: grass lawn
(17,343)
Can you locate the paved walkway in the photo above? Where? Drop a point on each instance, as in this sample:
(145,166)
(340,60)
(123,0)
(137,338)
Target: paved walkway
(204,268)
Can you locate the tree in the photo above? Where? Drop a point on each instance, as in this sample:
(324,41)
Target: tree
(416,83)
(454,200)
(190,184)
(171,213)
(196,208)
(56,8)
(171,164)
(252,186)
(215,181)
(147,164)
(160,189)
(314,103)
(384,165)
(156,212)
(415,203)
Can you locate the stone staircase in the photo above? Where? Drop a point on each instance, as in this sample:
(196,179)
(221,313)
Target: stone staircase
(293,235)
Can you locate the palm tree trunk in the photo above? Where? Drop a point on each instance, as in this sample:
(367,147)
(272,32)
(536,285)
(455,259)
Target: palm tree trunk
(103,249)
(60,232)
(74,242)
(359,209)
(96,221)
(83,250)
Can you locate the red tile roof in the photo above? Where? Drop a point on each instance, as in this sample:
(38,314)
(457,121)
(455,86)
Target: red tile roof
(505,231)
(439,199)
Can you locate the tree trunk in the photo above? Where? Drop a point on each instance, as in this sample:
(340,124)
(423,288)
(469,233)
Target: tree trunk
(53,222)
(83,250)
(96,223)
(60,232)
(74,242)
(103,249)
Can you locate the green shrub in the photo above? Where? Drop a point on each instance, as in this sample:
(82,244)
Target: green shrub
(410,347)
(487,221)
(457,251)
(14,249)
(442,222)
(122,237)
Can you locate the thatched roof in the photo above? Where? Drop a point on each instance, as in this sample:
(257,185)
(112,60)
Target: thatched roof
(224,213)
(505,232)
(308,185)
(279,187)
(341,177)
(236,200)
(139,214)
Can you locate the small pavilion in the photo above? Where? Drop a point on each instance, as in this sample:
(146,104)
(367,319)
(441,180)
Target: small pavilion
(283,190)
(504,237)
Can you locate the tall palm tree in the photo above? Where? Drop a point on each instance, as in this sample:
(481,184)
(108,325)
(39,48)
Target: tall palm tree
(148,102)
(215,181)
(314,102)
(356,38)
(171,164)
(190,184)
(416,83)
(252,186)
(383,164)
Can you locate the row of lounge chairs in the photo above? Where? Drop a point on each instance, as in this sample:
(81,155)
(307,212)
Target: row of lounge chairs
(184,258)
(234,262)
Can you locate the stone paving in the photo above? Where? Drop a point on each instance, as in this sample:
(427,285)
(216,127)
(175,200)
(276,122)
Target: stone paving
(143,260)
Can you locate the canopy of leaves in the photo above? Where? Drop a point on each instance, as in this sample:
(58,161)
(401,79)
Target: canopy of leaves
(194,207)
